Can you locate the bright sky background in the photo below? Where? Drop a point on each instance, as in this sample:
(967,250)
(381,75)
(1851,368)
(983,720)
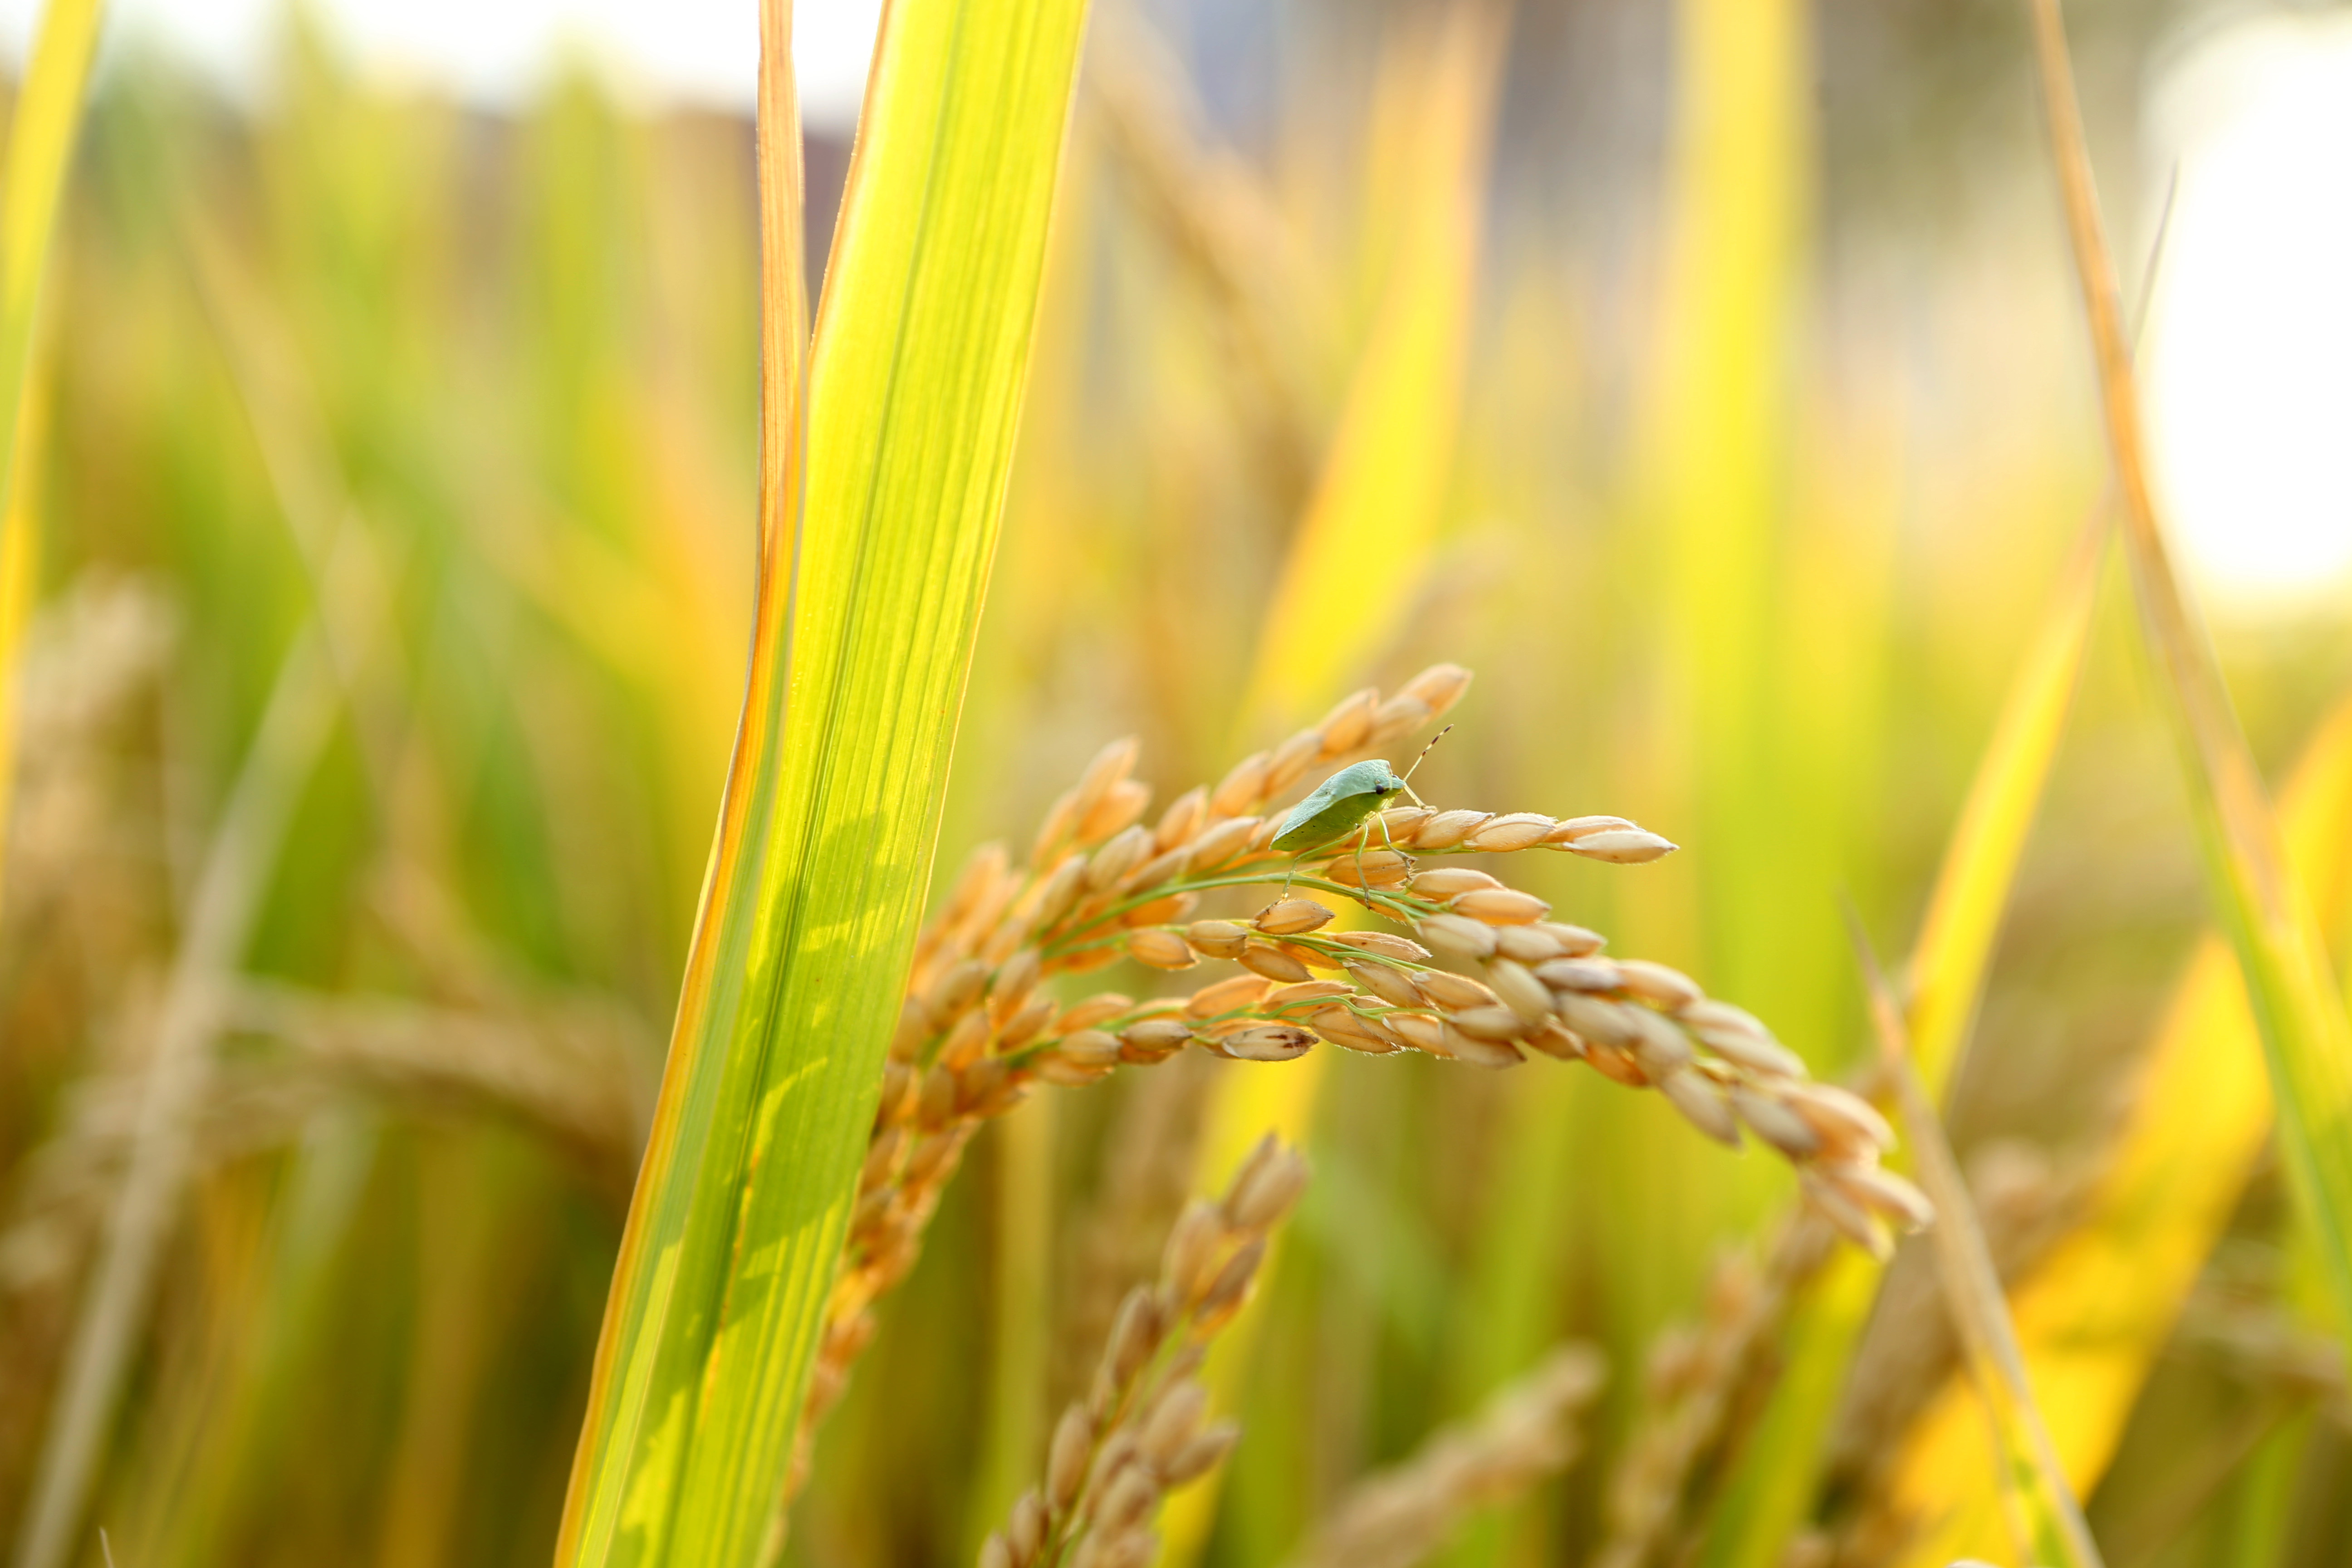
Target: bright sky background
(2250,353)
(497,50)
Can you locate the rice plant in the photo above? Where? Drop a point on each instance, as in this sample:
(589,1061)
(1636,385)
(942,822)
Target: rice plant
(657,907)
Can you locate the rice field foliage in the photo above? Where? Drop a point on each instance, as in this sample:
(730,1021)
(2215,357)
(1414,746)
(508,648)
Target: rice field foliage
(404,484)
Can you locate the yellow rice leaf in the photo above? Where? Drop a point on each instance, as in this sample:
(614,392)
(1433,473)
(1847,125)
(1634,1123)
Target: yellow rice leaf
(40,151)
(2093,1314)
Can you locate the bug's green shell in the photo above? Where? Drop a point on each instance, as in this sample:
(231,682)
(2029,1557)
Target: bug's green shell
(1338,802)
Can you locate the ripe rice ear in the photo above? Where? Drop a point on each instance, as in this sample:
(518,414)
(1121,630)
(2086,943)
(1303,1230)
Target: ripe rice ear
(1141,1431)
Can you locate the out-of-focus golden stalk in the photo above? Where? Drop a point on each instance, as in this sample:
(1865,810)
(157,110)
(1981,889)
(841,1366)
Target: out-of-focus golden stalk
(2306,1037)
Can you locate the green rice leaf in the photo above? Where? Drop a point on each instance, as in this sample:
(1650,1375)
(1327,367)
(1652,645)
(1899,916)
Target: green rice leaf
(876,549)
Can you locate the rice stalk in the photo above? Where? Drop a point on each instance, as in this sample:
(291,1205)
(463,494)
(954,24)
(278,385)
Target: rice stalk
(567,1072)
(1523,1435)
(2046,1518)
(882,481)
(2306,1037)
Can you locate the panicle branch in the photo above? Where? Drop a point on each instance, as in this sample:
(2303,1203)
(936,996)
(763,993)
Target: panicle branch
(979,1027)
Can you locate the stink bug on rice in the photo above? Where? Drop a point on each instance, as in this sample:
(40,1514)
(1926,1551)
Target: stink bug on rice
(1342,801)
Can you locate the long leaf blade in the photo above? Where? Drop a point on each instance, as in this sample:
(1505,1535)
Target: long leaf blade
(2095,1312)
(868,606)
(2306,1038)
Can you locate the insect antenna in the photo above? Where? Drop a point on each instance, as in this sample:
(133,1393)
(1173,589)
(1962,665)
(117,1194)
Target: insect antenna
(1407,780)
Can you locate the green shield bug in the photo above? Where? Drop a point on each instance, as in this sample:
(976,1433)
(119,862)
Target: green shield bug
(1342,801)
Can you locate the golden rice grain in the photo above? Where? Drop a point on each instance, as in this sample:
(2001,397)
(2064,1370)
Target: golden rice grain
(1120,805)
(1419,1030)
(1384,980)
(1452,991)
(1457,936)
(1241,788)
(1267,1043)
(1217,939)
(1283,996)
(1509,832)
(1493,1022)
(1094,1010)
(1386,944)
(1669,988)
(1112,862)
(1621,846)
(1348,726)
(1371,869)
(1703,1104)
(1492,1054)
(1182,821)
(1445,881)
(1519,990)
(1219,843)
(1574,941)
(1224,995)
(1161,949)
(1500,906)
(1447,829)
(1292,917)
(1527,945)
(1273,963)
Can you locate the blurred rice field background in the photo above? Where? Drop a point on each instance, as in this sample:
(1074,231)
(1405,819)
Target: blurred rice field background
(1708,377)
